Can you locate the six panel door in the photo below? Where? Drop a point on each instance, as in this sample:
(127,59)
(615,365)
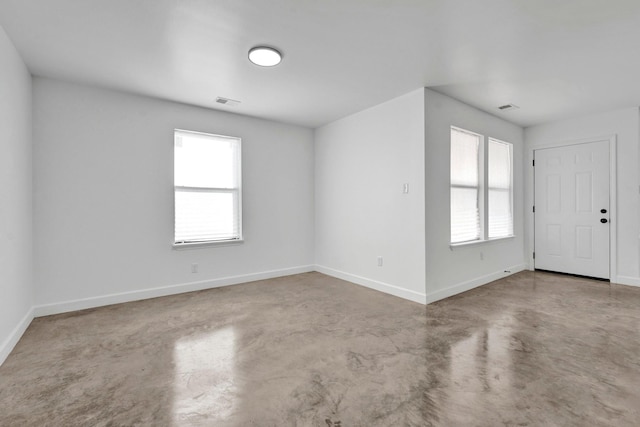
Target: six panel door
(572,209)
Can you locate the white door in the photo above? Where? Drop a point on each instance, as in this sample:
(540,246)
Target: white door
(572,209)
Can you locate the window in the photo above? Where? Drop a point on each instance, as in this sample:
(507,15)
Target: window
(207,188)
(500,189)
(481,187)
(465,186)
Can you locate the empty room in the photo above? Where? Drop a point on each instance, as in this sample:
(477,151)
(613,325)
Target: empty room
(319,213)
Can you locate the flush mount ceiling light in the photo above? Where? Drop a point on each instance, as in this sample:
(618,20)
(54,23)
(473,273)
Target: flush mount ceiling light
(265,56)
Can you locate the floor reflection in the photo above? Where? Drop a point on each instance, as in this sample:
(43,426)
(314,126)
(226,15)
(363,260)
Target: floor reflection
(205,377)
(479,375)
(309,350)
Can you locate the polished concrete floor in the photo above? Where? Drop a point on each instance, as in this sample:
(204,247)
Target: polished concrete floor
(534,349)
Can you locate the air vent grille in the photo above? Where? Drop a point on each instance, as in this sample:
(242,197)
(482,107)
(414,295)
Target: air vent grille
(227,101)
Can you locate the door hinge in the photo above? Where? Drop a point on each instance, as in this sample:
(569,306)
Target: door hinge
(534,255)
(534,209)
(533,163)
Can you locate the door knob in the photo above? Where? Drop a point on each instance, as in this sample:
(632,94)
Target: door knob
(604,220)
(603,211)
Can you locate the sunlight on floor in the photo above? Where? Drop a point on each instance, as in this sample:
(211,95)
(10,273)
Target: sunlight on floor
(204,384)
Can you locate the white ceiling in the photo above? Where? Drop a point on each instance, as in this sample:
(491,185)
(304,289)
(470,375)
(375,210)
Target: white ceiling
(552,58)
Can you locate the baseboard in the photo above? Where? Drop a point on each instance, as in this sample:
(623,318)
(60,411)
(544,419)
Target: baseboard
(81,304)
(7,346)
(473,283)
(374,284)
(627,280)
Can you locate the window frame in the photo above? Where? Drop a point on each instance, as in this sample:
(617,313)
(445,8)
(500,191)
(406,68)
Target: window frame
(483,189)
(479,188)
(489,188)
(237,190)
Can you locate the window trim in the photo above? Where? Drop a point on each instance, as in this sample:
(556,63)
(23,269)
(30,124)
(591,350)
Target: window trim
(470,243)
(210,243)
(483,189)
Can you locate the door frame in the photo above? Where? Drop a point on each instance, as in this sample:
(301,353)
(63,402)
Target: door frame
(613,201)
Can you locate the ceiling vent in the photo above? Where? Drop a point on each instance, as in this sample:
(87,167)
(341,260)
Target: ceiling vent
(508,107)
(227,101)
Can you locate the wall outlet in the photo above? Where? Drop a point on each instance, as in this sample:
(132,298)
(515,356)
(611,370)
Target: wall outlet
(379,261)
(194,268)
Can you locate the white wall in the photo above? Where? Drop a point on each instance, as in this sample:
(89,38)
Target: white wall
(362,162)
(16,231)
(450,271)
(103,202)
(625,125)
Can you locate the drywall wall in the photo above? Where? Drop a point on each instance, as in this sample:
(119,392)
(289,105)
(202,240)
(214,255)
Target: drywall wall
(625,125)
(453,270)
(362,163)
(16,234)
(103,207)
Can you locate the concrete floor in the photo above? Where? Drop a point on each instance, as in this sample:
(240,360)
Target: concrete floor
(310,350)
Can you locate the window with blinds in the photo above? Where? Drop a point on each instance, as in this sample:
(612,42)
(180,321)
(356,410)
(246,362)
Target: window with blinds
(481,187)
(207,188)
(500,189)
(465,186)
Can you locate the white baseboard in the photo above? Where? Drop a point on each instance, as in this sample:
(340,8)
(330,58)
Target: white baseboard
(7,346)
(627,280)
(374,284)
(473,283)
(81,304)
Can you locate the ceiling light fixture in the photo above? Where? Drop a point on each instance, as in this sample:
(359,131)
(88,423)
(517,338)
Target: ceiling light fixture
(265,56)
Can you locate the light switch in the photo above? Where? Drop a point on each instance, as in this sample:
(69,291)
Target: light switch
(405,189)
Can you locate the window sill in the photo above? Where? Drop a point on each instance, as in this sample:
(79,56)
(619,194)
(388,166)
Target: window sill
(198,245)
(454,246)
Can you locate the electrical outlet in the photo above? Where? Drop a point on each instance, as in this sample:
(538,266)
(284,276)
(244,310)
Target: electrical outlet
(194,268)
(379,261)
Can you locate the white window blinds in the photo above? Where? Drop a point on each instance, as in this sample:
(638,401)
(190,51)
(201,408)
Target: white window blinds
(481,187)
(500,189)
(207,187)
(465,186)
